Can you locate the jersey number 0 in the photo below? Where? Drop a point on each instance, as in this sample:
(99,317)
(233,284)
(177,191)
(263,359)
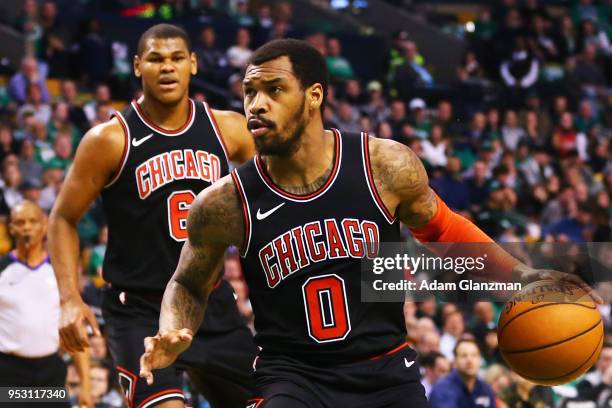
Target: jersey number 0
(326,308)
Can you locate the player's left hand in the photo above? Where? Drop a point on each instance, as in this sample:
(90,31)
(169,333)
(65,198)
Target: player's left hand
(162,350)
(527,275)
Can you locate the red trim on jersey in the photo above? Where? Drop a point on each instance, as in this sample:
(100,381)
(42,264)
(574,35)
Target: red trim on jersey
(268,181)
(150,123)
(388,353)
(134,378)
(366,155)
(217,130)
(161,393)
(245,209)
(217,284)
(126,148)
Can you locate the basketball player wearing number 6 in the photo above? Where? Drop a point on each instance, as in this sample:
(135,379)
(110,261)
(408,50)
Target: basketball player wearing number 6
(304,212)
(148,163)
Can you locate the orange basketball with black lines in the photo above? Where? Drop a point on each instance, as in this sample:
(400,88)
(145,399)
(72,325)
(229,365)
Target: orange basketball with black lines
(550,332)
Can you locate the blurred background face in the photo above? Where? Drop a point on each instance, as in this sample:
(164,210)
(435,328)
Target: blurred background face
(333,47)
(384,130)
(27,149)
(429,341)
(12,175)
(61,112)
(98,347)
(441,367)
(398,110)
(454,324)
(6,136)
(102,94)
(567,121)
(243,38)
(63,147)
(69,90)
(467,360)
(605,360)
(454,165)
(34,94)
(436,134)
(208,37)
(484,311)
(479,121)
(511,119)
(445,111)
(99,382)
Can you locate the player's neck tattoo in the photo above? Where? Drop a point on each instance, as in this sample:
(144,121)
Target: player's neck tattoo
(311,187)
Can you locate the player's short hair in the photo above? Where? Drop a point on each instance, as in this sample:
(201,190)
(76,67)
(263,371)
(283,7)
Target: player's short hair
(163,31)
(308,64)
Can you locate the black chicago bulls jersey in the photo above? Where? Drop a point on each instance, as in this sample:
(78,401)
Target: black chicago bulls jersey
(147,203)
(302,260)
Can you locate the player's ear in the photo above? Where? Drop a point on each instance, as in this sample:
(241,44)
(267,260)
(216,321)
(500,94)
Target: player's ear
(136,64)
(315,96)
(194,63)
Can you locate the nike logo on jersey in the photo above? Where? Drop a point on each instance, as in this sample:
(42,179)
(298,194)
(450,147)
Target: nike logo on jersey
(408,363)
(261,216)
(138,142)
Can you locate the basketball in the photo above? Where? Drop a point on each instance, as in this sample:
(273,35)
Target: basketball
(550,332)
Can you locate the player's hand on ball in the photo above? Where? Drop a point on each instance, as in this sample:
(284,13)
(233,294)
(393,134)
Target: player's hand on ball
(528,275)
(162,349)
(75,316)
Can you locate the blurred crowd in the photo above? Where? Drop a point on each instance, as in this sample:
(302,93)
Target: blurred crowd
(521,145)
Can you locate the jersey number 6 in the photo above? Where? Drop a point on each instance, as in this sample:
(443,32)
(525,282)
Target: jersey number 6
(178,209)
(326,308)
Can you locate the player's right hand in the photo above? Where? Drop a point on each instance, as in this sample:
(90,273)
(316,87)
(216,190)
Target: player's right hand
(73,332)
(162,350)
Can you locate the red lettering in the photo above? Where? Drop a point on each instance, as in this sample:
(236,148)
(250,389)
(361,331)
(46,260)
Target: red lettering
(190,165)
(178,169)
(284,254)
(156,172)
(144,183)
(370,235)
(299,241)
(271,271)
(203,165)
(166,167)
(316,250)
(355,244)
(336,246)
(215,165)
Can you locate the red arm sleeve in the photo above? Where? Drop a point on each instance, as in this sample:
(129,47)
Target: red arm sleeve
(448,226)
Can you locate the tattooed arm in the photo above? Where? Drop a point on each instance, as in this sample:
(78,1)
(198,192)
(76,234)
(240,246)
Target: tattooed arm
(215,221)
(402,183)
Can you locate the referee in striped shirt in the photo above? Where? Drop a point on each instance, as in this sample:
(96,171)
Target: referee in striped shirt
(30,311)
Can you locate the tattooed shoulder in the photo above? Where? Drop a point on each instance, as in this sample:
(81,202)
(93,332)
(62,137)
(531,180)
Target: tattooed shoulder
(398,172)
(216,215)
(396,168)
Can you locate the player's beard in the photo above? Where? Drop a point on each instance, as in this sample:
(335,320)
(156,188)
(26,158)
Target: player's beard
(275,145)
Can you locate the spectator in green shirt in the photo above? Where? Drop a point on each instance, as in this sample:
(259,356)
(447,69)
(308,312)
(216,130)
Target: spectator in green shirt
(63,152)
(339,67)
